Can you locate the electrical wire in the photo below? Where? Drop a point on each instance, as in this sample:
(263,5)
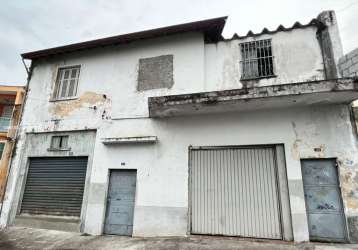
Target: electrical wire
(346,7)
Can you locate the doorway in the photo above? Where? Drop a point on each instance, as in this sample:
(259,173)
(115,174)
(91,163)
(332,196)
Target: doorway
(120,202)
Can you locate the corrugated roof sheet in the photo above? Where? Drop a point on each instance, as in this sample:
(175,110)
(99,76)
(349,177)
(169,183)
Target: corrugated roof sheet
(297,25)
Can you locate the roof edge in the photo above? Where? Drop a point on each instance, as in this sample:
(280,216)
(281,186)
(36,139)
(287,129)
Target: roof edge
(212,29)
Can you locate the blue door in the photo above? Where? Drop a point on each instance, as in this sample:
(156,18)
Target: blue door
(324,206)
(120,202)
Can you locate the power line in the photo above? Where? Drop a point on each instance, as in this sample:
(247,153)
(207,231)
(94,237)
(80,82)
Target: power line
(348,25)
(346,7)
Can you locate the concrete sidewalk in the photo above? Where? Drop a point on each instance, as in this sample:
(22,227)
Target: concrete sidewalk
(28,238)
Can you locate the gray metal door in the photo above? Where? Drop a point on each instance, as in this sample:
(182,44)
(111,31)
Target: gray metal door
(120,202)
(323,200)
(54,186)
(234,191)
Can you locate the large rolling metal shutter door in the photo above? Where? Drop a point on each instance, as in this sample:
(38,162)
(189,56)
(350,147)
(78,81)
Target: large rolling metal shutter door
(234,192)
(55,186)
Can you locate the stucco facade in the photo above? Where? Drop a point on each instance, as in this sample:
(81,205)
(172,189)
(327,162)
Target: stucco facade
(108,104)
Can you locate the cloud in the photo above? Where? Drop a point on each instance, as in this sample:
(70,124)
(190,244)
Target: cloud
(32,25)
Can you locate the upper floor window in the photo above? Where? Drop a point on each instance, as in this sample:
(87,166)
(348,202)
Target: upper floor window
(66,83)
(256,59)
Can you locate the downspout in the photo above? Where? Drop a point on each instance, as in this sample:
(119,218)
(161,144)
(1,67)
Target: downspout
(29,74)
(27,69)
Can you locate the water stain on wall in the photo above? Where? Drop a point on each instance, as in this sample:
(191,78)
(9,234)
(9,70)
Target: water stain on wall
(349,185)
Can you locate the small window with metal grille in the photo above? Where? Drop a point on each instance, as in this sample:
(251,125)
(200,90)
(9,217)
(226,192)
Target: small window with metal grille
(66,82)
(59,143)
(257,60)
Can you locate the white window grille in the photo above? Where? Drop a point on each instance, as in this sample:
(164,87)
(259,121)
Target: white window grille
(257,60)
(67,81)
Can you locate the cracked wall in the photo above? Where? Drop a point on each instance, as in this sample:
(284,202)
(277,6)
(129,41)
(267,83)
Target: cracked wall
(297,58)
(341,144)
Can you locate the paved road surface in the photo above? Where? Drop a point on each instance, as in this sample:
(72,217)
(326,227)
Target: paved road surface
(14,238)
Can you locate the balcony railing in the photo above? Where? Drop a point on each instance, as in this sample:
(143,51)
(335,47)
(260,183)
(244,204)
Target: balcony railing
(5,123)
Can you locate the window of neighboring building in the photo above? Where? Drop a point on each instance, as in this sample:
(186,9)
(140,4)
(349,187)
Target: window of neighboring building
(7,111)
(59,142)
(67,82)
(256,59)
(5,118)
(2,146)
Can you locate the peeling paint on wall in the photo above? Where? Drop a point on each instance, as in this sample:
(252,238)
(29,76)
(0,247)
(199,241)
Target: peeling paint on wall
(306,145)
(87,99)
(349,184)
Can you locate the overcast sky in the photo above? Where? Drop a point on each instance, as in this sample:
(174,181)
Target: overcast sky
(38,24)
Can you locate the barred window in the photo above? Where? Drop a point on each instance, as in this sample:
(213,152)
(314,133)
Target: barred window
(66,83)
(256,59)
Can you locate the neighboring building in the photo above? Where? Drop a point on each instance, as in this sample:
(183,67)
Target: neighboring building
(348,64)
(348,67)
(178,131)
(11,98)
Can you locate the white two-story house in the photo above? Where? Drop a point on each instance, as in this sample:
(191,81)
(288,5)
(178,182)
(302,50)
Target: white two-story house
(178,131)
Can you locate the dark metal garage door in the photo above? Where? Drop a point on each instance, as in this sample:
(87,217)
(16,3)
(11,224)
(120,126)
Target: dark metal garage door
(54,186)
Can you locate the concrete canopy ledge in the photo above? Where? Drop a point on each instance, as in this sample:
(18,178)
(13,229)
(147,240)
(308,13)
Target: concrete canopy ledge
(129,140)
(322,92)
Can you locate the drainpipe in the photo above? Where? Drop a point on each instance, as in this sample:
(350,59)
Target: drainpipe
(14,138)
